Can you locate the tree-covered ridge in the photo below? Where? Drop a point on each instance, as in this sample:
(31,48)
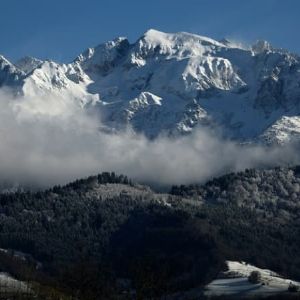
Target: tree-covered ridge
(116,225)
(273,190)
(52,221)
(156,243)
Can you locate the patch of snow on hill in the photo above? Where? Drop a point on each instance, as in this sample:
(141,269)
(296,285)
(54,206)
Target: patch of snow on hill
(235,282)
(10,285)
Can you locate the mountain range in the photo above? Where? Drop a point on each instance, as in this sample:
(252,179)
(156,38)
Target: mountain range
(170,84)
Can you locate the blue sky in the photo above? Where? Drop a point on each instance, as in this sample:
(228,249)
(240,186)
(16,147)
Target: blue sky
(61,29)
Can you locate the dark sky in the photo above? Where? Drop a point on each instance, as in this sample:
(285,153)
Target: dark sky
(61,29)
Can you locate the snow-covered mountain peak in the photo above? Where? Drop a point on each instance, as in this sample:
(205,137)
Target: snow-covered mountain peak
(27,64)
(9,74)
(6,65)
(261,46)
(4,60)
(104,56)
(234,44)
(172,83)
(153,36)
(179,45)
(54,80)
(225,42)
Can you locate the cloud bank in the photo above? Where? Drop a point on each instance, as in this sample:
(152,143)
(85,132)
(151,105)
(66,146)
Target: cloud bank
(40,149)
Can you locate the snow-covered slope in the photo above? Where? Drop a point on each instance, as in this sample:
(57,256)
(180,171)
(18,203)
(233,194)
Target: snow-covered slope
(171,84)
(12,286)
(235,282)
(284,130)
(9,74)
(27,64)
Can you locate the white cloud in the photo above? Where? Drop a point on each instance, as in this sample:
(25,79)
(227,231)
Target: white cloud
(43,149)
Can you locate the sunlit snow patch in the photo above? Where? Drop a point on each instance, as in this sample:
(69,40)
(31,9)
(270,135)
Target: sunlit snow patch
(235,282)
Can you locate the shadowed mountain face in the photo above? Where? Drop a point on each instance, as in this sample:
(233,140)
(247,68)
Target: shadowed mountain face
(172,83)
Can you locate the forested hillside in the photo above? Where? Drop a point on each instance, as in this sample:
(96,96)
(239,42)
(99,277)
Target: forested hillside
(105,236)
(272,192)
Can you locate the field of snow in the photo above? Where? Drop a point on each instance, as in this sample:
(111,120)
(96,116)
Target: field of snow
(235,282)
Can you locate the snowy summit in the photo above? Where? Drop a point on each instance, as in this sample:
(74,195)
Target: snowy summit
(172,83)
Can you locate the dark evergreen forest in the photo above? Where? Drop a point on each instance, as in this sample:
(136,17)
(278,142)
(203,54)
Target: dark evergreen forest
(106,237)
